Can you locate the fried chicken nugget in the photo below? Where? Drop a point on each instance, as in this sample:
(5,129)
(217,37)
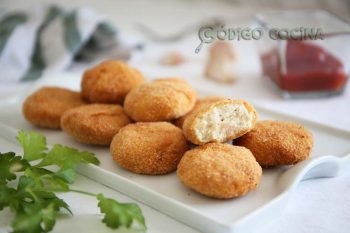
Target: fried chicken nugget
(276,143)
(199,104)
(172,79)
(94,123)
(109,82)
(160,101)
(219,170)
(45,107)
(149,148)
(220,121)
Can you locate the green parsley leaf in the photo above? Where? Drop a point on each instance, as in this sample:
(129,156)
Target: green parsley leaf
(34,145)
(6,196)
(29,191)
(9,165)
(66,157)
(29,221)
(46,180)
(67,174)
(34,201)
(120,214)
(49,216)
(36,218)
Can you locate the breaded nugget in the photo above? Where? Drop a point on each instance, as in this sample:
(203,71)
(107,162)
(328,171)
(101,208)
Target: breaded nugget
(278,143)
(199,104)
(149,148)
(171,79)
(109,82)
(220,121)
(219,170)
(160,101)
(94,123)
(45,107)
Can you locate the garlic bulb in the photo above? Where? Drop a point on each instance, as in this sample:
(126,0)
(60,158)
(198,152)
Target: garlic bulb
(220,63)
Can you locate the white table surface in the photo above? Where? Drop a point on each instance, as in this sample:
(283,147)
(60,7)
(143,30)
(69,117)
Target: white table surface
(316,206)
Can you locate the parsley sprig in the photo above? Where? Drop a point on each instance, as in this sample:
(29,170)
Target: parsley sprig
(28,185)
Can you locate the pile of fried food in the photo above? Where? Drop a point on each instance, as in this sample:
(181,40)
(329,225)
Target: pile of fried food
(157,127)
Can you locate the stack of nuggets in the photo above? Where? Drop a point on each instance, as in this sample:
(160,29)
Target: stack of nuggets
(151,126)
(213,168)
(153,145)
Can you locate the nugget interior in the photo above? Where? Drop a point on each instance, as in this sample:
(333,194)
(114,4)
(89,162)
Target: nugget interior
(222,122)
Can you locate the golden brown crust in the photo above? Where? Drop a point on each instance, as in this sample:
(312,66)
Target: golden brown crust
(188,125)
(199,104)
(95,123)
(109,82)
(276,143)
(149,148)
(45,107)
(219,170)
(171,79)
(159,101)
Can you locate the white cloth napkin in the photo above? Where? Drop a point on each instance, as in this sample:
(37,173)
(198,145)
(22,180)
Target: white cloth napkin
(47,39)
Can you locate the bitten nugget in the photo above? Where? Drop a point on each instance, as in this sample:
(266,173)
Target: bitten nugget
(109,82)
(45,107)
(149,148)
(160,101)
(199,104)
(219,170)
(220,121)
(278,143)
(94,123)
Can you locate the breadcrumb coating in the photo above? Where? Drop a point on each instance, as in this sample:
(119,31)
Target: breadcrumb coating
(160,101)
(219,170)
(109,82)
(94,123)
(149,147)
(276,143)
(45,107)
(172,79)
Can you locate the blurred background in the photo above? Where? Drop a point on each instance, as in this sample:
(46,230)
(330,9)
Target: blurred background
(160,38)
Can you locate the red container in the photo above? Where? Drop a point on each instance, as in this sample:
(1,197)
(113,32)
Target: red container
(302,64)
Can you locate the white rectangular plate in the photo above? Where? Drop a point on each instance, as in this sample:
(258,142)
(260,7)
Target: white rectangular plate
(166,193)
